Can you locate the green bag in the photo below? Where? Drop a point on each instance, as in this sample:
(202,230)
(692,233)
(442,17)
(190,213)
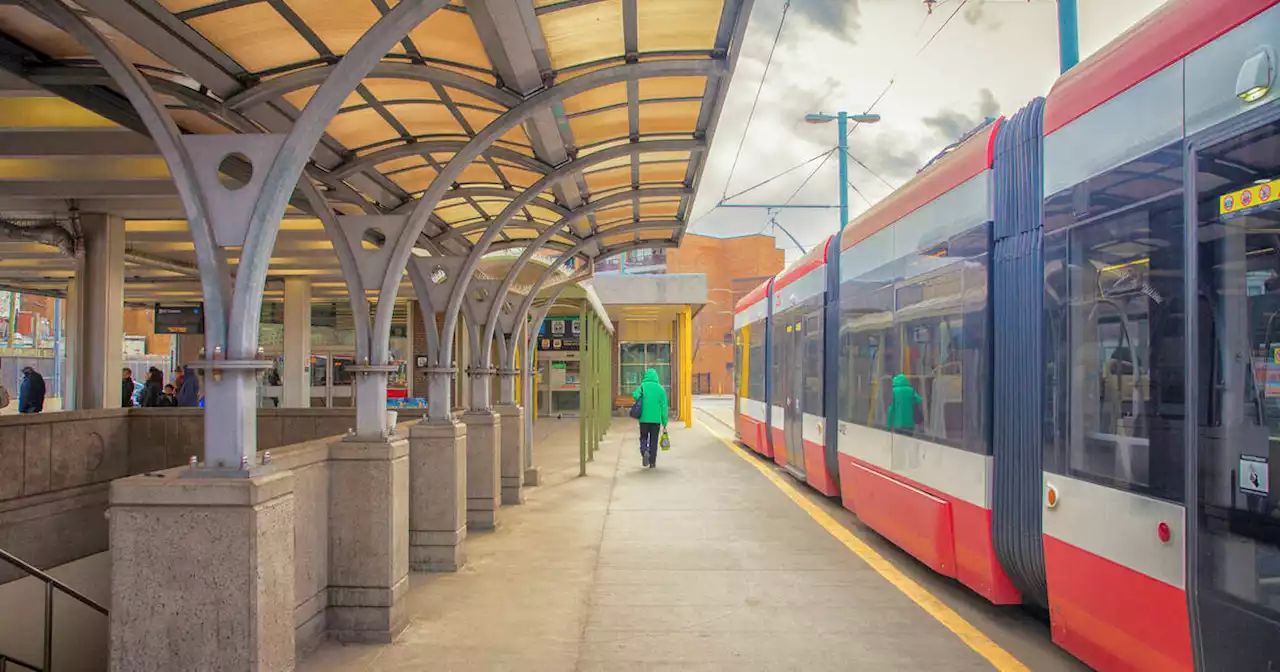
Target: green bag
(665,441)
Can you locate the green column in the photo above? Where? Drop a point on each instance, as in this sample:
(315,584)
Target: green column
(582,380)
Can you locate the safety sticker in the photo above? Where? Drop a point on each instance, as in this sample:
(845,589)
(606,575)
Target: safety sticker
(1254,475)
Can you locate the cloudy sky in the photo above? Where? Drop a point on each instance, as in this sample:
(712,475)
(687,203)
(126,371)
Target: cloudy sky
(992,58)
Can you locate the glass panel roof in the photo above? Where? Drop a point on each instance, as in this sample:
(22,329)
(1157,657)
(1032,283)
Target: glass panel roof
(270,39)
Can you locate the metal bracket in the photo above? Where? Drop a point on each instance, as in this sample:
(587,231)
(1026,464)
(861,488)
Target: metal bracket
(372,261)
(439,274)
(231,208)
(480,293)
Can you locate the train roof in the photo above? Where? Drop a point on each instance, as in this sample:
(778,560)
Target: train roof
(1176,29)
(753,297)
(966,160)
(812,259)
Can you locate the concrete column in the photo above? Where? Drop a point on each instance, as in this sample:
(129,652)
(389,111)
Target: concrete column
(437,496)
(368,539)
(98,335)
(484,476)
(512,453)
(202,573)
(297,343)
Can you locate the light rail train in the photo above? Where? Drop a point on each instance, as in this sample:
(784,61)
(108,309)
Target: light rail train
(1049,365)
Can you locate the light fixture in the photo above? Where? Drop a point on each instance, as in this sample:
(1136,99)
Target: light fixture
(1256,75)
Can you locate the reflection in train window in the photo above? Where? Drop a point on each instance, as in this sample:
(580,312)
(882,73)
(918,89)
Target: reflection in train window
(1114,316)
(923,317)
(755,361)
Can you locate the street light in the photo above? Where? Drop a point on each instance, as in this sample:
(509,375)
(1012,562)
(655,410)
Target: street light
(842,127)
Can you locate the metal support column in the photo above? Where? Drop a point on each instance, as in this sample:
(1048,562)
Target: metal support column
(686,366)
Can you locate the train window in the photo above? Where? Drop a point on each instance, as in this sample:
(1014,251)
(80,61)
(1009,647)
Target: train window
(940,318)
(1239,380)
(812,364)
(1114,321)
(756,361)
(867,348)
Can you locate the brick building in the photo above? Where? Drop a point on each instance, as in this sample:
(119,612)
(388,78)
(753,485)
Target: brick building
(733,266)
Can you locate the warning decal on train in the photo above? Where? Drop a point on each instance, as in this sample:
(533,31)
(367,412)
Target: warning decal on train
(1254,476)
(1249,199)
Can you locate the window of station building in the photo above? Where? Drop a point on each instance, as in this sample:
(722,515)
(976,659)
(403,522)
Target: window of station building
(756,361)
(1113,327)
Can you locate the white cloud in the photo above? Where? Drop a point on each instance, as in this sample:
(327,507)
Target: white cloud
(839,54)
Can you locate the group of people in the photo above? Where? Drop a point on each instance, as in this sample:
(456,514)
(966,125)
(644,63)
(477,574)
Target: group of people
(183,391)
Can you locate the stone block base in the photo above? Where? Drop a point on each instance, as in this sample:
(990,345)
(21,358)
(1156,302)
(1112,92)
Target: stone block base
(512,454)
(437,496)
(484,480)
(368,615)
(202,573)
(533,477)
(368,539)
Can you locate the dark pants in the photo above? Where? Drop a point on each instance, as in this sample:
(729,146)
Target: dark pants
(649,432)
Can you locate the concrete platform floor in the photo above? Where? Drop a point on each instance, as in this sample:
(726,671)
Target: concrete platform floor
(700,564)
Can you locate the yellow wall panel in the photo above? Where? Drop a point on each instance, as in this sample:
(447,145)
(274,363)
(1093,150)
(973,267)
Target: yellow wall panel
(426,118)
(48,113)
(450,36)
(672,87)
(415,180)
(679,117)
(600,126)
(338,23)
(592,99)
(608,179)
(360,128)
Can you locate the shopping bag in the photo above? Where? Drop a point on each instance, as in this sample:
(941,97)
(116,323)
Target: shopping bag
(665,441)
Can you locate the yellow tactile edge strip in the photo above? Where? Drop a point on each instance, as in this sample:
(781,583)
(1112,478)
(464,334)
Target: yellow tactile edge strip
(1001,659)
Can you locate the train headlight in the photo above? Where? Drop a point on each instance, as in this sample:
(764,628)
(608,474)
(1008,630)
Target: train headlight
(1253,82)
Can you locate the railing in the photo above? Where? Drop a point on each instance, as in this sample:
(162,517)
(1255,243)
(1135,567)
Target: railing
(50,585)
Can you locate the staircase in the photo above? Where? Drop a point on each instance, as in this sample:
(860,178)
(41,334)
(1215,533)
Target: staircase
(51,587)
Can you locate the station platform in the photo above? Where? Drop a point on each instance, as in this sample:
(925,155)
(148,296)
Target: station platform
(703,563)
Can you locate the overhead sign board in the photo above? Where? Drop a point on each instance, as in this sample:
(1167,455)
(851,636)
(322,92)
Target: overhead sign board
(179,319)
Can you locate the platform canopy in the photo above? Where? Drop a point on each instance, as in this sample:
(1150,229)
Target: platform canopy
(617,101)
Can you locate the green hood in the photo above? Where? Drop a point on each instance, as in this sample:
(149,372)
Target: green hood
(650,376)
(900,380)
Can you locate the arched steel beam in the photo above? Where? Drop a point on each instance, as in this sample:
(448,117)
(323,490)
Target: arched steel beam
(579,213)
(356,294)
(551,231)
(486,138)
(300,79)
(76,74)
(424,147)
(215,281)
(264,222)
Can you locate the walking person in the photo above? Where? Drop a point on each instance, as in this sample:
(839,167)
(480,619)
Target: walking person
(31,394)
(126,388)
(653,416)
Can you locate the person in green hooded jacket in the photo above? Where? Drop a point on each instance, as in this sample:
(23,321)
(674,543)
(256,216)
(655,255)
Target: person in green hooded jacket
(902,410)
(653,415)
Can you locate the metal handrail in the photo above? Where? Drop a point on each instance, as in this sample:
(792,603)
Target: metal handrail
(50,584)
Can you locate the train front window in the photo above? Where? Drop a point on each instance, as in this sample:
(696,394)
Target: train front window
(1239,378)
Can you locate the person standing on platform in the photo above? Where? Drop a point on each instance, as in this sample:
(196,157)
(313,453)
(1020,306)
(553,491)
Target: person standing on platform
(126,389)
(31,394)
(189,393)
(653,415)
(153,393)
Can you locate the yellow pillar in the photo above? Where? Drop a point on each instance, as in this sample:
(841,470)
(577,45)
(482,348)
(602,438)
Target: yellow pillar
(686,365)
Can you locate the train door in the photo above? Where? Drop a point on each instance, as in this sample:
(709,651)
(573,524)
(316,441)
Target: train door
(793,375)
(1234,554)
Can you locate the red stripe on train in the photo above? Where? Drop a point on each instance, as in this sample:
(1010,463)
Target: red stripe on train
(779,447)
(815,469)
(1112,617)
(946,533)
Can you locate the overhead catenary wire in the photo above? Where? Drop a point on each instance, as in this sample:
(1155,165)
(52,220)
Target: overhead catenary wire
(742,141)
(867,168)
(826,157)
(757,185)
